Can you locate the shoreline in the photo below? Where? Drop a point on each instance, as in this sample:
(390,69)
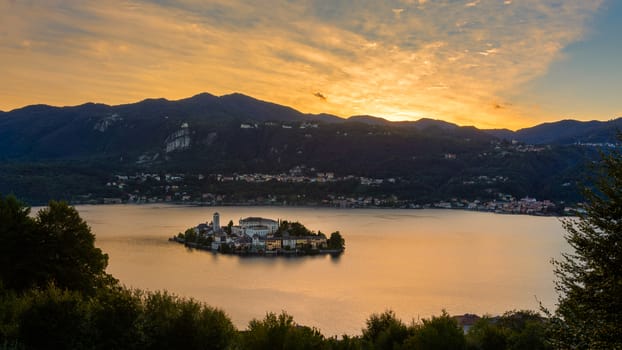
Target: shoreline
(199,204)
(279,253)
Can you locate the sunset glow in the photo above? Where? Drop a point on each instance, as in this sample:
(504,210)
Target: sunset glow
(485,63)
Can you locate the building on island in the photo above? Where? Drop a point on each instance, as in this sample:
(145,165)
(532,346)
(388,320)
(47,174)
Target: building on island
(300,242)
(216,222)
(251,226)
(272,243)
(254,235)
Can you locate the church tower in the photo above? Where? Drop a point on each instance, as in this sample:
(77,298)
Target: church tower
(216,222)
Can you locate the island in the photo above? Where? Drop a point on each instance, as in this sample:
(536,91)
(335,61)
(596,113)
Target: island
(260,236)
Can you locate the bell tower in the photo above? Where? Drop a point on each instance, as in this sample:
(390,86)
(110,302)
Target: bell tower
(216,222)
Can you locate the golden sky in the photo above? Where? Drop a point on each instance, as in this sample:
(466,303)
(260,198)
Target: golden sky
(471,62)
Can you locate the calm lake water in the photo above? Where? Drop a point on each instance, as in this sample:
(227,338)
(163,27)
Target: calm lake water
(415,262)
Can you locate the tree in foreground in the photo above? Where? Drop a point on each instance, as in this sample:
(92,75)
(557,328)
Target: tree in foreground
(437,333)
(56,246)
(514,330)
(114,318)
(17,245)
(385,331)
(589,280)
(280,332)
(170,322)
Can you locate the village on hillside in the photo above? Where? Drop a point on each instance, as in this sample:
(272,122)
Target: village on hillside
(260,236)
(143,188)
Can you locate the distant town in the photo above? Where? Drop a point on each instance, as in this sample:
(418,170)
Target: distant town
(143,188)
(260,236)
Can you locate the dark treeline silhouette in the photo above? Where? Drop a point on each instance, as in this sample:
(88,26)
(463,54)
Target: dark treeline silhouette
(119,318)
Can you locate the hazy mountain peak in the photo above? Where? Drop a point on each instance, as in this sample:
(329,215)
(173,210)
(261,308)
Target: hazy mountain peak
(150,100)
(368,119)
(203,96)
(565,131)
(428,122)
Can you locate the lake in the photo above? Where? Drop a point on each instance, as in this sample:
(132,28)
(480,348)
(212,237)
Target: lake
(415,262)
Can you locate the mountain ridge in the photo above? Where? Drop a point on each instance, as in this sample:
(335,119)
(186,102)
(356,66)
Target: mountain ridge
(564,131)
(63,147)
(152,125)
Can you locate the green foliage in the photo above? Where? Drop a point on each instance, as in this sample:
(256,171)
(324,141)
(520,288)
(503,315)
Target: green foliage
(437,333)
(19,248)
(280,332)
(115,318)
(487,335)
(526,329)
(229,226)
(385,331)
(295,229)
(56,319)
(589,280)
(72,260)
(514,330)
(345,343)
(11,307)
(120,318)
(56,246)
(190,235)
(170,322)
(336,241)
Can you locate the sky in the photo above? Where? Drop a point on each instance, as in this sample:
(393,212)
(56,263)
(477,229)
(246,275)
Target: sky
(488,63)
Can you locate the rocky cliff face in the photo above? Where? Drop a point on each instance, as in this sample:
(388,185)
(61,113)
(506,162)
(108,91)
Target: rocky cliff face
(179,140)
(103,124)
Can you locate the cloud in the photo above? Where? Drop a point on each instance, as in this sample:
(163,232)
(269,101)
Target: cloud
(440,59)
(503,105)
(397,13)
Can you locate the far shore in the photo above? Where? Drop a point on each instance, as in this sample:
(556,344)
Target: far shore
(200,204)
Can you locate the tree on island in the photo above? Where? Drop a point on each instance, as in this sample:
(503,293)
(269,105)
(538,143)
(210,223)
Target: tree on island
(589,280)
(295,229)
(190,235)
(336,241)
(228,227)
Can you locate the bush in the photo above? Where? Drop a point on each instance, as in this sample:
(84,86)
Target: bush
(280,332)
(54,319)
(385,331)
(514,330)
(438,333)
(169,322)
